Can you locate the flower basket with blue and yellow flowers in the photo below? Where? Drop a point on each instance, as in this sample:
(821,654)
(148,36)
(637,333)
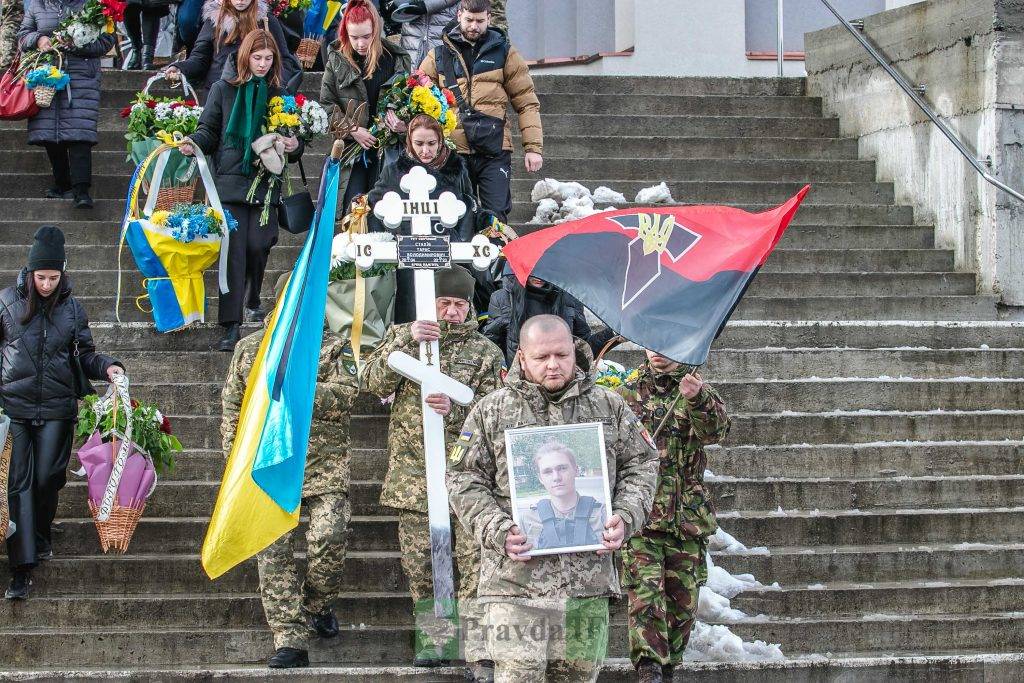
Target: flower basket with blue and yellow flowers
(44,81)
(173,248)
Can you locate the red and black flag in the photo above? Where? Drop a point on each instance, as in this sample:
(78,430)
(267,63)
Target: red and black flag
(667,278)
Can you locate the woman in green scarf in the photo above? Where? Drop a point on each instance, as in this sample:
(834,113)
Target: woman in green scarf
(232,119)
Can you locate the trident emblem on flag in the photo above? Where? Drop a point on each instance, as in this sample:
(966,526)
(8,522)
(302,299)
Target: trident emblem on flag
(657,234)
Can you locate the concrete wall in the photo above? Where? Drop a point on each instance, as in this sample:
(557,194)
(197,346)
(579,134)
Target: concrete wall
(670,37)
(969,54)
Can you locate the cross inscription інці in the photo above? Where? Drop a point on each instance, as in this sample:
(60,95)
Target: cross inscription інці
(426,371)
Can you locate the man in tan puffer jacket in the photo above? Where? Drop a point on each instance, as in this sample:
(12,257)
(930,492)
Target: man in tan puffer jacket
(490,74)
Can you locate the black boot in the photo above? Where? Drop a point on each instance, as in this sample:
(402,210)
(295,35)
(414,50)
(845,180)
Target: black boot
(667,672)
(58,193)
(21,581)
(648,671)
(134,62)
(231,336)
(82,198)
(147,57)
(254,315)
(325,623)
(289,658)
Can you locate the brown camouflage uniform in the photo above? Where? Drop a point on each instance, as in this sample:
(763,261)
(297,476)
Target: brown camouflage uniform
(665,565)
(286,599)
(11,14)
(470,358)
(567,592)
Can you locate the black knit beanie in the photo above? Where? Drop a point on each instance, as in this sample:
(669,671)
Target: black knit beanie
(47,252)
(455,282)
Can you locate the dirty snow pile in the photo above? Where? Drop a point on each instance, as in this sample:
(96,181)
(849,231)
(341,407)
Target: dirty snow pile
(715,642)
(558,202)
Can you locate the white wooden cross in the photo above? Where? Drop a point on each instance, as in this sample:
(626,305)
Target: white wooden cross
(392,210)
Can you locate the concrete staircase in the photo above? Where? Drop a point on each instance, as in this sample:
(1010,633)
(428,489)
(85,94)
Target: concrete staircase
(877,453)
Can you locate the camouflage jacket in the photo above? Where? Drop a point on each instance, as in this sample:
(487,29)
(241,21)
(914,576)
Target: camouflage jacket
(467,356)
(327,461)
(478,482)
(682,505)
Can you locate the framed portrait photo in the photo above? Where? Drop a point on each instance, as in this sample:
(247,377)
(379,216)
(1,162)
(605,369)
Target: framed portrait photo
(558,478)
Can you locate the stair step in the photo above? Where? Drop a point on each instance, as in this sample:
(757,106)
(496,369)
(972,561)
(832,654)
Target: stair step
(879,563)
(888,459)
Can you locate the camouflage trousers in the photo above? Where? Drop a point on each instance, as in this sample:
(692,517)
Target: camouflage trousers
(662,575)
(434,634)
(561,640)
(11,15)
(287,600)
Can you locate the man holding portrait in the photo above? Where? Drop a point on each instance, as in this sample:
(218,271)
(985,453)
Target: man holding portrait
(547,614)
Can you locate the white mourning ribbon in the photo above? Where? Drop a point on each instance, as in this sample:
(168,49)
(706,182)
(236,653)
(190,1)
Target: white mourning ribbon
(118,388)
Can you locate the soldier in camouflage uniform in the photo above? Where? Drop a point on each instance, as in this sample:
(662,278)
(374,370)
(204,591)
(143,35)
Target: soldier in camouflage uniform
(11,14)
(289,603)
(665,565)
(470,358)
(546,617)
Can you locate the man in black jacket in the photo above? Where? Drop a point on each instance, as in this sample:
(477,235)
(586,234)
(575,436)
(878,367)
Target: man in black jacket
(513,304)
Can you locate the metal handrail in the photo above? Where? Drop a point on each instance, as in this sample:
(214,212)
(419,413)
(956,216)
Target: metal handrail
(912,94)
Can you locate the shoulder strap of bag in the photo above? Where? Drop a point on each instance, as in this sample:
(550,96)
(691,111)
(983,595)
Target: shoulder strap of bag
(302,172)
(74,330)
(447,67)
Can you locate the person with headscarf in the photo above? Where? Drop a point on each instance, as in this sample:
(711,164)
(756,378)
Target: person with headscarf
(425,146)
(232,120)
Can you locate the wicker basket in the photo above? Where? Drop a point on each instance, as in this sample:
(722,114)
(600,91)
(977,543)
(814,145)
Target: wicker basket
(116,533)
(44,95)
(169,197)
(308,49)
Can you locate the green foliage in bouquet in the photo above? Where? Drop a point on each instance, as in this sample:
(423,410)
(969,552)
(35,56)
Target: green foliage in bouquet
(151,430)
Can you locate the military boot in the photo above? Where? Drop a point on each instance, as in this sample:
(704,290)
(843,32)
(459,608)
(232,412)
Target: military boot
(325,623)
(668,671)
(289,658)
(648,671)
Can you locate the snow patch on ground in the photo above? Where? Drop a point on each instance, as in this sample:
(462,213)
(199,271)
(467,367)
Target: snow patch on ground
(558,201)
(656,194)
(718,644)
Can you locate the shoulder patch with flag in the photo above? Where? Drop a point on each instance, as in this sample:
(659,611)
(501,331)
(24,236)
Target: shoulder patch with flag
(461,446)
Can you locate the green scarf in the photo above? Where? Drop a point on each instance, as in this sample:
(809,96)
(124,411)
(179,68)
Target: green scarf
(246,120)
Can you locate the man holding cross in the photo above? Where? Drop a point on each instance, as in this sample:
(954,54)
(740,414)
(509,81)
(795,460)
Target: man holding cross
(470,358)
(547,616)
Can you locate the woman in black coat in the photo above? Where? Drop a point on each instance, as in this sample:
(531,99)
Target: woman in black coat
(41,327)
(142,22)
(67,128)
(225,24)
(425,146)
(258,80)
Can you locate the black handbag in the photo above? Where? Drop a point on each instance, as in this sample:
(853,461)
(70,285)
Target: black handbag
(83,387)
(485,134)
(297,210)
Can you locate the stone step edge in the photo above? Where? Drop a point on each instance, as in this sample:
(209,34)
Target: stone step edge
(614,665)
(710,478)
(772,551)
(817,587)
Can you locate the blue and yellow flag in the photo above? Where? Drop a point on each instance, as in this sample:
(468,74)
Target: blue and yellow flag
(261,491)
